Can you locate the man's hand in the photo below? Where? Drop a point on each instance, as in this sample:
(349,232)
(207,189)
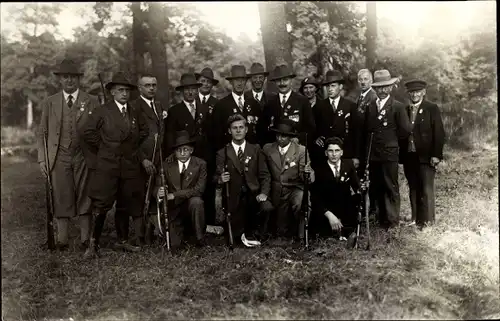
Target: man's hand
(224,178)
(335,223)
(355,161)
(261,198)
(319,141)
(435,161)
(308,169)
(148,166)
(43,169)
(170,197)
(161,193)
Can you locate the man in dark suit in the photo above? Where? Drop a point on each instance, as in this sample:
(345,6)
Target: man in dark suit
(333,117)
(116,131)
(186,178)
(243,166)
(236,103)
(286,161)
(287,104)
(387,120)
(207,80)
(421,152)
(335,193)
(258,78)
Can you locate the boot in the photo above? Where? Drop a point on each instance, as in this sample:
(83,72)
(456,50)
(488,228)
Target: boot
(98,218)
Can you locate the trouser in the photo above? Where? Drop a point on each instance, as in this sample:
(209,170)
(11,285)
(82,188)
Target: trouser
(384,187)
(70,182)
(289,222)
(373,208)
(209,194)
(420,177)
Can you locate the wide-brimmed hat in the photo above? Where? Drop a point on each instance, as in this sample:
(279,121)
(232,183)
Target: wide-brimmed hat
(207,73)
(68,67)
(257,69)
(415,84)
(120,78)
(282,71)
(285,127)
(182,138)
(308,81)
(187,80)
(238,71)
(383,78)
(333,76)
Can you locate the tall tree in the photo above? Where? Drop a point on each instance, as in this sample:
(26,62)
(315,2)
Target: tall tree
(138,38)
(371,33)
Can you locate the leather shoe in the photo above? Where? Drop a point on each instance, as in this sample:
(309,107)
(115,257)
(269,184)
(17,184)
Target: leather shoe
(127,247)
(84,245)
(92,251)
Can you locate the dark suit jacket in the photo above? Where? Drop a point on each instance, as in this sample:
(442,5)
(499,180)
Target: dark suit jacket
(266,96)
(117,140)
(155,124)
(253,172)
(358,119)
(179,118)
(389,126)
(227,107)
(428,133)
(297,108)
(194,181)
(51,122)
(333,194)
(339,124)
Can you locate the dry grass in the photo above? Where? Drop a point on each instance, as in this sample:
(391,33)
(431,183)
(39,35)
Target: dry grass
(448,271)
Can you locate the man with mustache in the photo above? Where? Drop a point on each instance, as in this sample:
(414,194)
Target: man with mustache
(258,77)
(387,120)
(71,159)
(236,103)
(287,104)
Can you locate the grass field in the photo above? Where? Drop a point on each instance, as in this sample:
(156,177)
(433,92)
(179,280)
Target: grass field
(448,271)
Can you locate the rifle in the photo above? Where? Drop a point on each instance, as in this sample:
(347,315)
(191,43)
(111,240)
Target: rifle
(305,202)
(51,243)
(102,87)
(163,224)
(228,213)
(366,178)
(145,211)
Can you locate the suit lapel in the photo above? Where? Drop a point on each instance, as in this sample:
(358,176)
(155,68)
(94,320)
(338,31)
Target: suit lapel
(387,105)
(275,155)
(175,176)
(78,104)
(58,108)
(115,111)
(188,175)
(149,111)
(290,154)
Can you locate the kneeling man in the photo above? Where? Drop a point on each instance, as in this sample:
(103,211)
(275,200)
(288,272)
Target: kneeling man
(186,178)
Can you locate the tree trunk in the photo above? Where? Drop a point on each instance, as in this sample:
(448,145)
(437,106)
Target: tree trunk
(371,34)
(275,37)
(158,51)
(137,39)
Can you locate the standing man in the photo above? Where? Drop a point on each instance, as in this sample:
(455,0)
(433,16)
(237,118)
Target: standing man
(387,119)
(309,87)
(207,81)
(185,177)
(154,114)
(286,163)
(258,78)
(71,159)
(235,103)
(243,165)
(287,104)
(421,152)
(333,117)
(117,131)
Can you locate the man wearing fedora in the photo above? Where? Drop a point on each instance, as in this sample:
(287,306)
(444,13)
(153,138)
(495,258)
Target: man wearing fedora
(70,158)
(287,104)
(309,87)
(243,165)
(258,78)
(286,161)
(236,103)
(333,117)
(387,120)
(116,131)
(186,178)
(421,152)
(207,80)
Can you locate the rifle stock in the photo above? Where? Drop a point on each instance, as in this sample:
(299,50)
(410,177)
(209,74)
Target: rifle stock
(228,213)
(51,244)
(163,219)
(148,188)
(305,201)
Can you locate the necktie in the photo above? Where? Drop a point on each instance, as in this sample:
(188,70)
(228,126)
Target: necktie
(124,112)
(204,99)
(240,154)
(183,168)
(379,104)
(337,170)
(283,102)
(70,101)
(360,99)
(192,110)
(257,98)
(240,103)
(282,155)
(154,107)
(333,105)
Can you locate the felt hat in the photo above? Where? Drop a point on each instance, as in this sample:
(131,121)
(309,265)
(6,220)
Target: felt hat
(187,80)
(68,67)
(182,138)
(333,76)
(257,69)
(207,73)
(120,78)
(282,71)
(415,84)
(308,81)
(285,127)
(238,71)
(383,78)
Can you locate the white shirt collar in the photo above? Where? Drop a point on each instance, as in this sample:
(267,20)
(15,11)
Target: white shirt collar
(237,147)
(207,97)
(120,106)
(259,94)
(335,101)
(188,104)
(181,163)
(74,95)
(236,98)
(148,101)
(336,165)
(383,101)
(284,150)
(287,95)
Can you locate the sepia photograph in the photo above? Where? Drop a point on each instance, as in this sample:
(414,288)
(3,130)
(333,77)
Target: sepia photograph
(251,160)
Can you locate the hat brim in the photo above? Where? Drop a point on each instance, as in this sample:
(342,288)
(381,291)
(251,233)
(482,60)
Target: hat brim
(265,73)
(337,80)
(57,73)
(301,89)
(190,142)
(239,77)
(110,84)
(284,133)
(180,87)
(392,81)
(281,77)
(197,75)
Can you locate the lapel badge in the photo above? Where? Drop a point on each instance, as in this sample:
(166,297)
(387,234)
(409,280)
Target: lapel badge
(234,110)
(340,113)
(164,114)
(288,107)
(342,178)
(82,105)
(272,121)
(90,113)
(247,159)
(286,114)
(382,112)
(385,124)
(420,111)
(347,115)
(379,117)
(210,109)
